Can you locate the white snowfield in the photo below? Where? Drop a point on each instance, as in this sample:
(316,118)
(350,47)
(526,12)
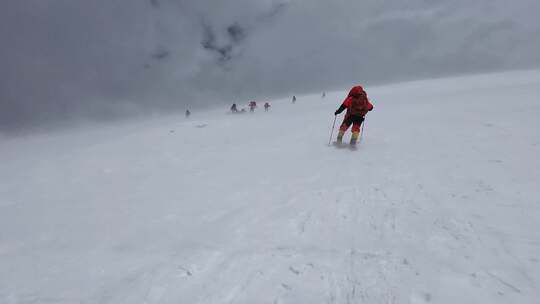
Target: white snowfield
(440,203)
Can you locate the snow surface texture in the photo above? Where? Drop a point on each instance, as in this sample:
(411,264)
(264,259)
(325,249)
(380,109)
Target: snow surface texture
(439,204)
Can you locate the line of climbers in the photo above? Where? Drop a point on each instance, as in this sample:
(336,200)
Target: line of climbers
(252,105)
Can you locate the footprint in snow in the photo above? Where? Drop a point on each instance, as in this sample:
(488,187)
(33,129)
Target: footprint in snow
(419,298)
(296,272)
(185,272)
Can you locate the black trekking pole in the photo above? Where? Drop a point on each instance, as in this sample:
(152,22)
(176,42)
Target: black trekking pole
(332,132)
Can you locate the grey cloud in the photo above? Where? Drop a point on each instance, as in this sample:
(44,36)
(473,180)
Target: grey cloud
(209,43)
(236,32)
(160,53)
(154,3)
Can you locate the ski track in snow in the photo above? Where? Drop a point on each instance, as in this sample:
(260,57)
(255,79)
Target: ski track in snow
(438,205)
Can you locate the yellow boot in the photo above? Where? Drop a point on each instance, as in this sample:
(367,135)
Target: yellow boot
(340,136)
(354,138)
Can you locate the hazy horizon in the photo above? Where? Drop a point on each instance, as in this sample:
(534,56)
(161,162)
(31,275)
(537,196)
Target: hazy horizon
(66,60)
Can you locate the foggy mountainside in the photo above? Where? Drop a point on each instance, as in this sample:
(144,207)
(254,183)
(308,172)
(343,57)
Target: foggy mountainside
(437,205)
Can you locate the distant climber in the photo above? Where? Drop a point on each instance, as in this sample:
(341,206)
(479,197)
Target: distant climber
(252,106)
(188,113)
(323,95)
(234,109)
(357,105)
(293,99)
(266,106)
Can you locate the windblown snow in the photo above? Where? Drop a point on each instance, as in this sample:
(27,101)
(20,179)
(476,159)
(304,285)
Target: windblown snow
(440,203)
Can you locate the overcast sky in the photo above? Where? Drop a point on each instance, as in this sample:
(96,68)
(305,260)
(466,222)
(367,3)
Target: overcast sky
(62,60)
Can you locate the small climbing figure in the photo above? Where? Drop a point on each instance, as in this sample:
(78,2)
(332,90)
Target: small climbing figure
(252,106)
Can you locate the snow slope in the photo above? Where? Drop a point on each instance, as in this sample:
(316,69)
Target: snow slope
(440,203)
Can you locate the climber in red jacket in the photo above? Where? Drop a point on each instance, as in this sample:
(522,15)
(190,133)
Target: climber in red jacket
(357,105)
